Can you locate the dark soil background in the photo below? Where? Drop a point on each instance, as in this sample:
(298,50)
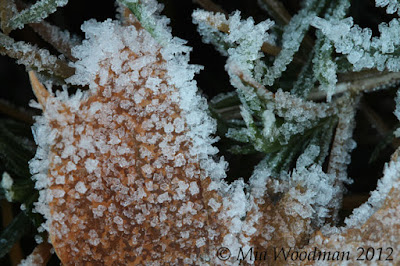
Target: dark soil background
(213,80)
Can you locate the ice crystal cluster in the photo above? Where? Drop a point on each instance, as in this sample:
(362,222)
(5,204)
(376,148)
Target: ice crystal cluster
(127,170)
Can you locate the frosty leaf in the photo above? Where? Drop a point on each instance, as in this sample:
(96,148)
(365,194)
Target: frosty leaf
(392,6)
(280,127)
(238,134)
(160,184)
(397,102)
(35,13)
(32,57)
(225,100)
(374,223)
(242,149)
(287,207)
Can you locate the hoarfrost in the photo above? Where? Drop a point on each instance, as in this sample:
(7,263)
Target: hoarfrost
(357,44)
(392,6)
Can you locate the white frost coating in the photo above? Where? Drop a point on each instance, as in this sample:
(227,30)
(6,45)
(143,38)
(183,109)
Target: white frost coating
(397,112)
(36,12)
(80,187)
(361,49)
(391,175)
(245,38)
(6,184)
(29,54)
(392,6)
(34,259)
(91,165)
(292,37)
(268,122)
(320,187)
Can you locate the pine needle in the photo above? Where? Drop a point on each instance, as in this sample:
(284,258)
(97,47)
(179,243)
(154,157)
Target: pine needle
(35,13)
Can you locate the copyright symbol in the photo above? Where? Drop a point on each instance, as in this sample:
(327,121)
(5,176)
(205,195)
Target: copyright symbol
(223,253)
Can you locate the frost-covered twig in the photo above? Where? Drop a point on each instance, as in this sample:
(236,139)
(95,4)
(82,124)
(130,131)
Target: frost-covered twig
(381,80)
(34,58)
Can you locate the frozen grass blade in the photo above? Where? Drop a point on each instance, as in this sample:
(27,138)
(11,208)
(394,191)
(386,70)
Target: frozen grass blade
(292,38)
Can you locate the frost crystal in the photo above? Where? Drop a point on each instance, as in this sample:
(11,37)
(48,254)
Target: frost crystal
(392,6)
(360,48)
